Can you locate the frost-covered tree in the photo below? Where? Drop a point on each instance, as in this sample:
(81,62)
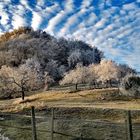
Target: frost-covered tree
(86,57)
(24,78)
(6,88)
(75,76)
(130,85)
(92,74)
(107,71)
(74,58)
(52,69)
(81,74)
(48,80)
(13,80)
(125,70)
(34,73)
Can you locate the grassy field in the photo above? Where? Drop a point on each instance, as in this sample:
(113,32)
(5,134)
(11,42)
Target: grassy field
(81,99)
(94,113)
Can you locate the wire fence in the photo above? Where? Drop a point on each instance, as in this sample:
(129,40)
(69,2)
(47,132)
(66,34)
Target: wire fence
(83,86)
(55,126)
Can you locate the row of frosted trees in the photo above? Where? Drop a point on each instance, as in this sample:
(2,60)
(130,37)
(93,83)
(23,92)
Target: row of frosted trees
(30,77)
(106,72)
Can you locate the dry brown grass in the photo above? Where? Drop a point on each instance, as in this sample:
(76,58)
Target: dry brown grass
(83,99)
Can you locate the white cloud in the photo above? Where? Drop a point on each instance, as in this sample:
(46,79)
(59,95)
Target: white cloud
(1,31)
(52,9)
(18,21)
(73,21)
(36,20)
(68,8)
(4,2)
(131,6)
(108,2)
(91,19)
(100,23)
(3,14)
(132,58)
(25,3)
(4,18)
(1,6)
(20,9)
(40,3)
(86,3)
(54,21)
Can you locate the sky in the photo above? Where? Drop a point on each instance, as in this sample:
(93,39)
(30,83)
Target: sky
(111,25)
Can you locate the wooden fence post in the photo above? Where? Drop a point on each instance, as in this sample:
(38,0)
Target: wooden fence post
(34,136)
(81,136)
(129,125)
(52,123)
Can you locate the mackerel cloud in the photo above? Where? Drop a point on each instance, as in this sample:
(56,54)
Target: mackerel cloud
(112,26)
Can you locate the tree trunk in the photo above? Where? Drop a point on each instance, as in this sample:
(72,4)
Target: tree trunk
(107,84)
(46,87)
(10,96)
(76,86)
(110,83)
(90,85)
(23,94)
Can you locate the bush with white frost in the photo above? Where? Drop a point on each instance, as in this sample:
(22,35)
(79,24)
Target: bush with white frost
(130,86)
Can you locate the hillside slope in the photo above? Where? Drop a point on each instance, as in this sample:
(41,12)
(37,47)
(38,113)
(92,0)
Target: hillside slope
(54,55)
(64,99)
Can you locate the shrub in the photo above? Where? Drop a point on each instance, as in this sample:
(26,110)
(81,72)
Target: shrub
(130,86)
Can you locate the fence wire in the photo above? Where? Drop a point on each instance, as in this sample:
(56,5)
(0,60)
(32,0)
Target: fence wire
(71,128)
